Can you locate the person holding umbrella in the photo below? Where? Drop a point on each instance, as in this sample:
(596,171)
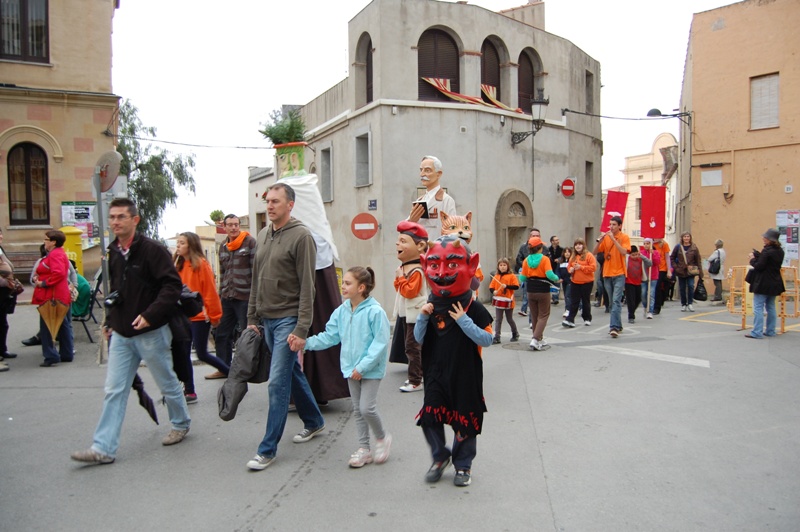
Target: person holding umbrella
(51,294)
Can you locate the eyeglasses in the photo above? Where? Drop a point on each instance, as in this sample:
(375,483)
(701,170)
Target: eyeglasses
(121,218)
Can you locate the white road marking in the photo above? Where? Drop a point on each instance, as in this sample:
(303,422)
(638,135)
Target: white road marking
(647,354)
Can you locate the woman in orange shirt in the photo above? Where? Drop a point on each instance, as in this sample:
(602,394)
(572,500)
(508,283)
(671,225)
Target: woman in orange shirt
(582,266)
(196,273)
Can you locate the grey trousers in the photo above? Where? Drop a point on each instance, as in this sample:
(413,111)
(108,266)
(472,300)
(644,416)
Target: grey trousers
(364,394)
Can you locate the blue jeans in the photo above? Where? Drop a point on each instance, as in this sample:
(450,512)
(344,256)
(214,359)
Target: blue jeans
(524,293)
(234,311)
(615,288)
(124,356)
(686,287)
(759,302)
(200,340)
(65,340)
(285,379)
(649,295)
(463,453)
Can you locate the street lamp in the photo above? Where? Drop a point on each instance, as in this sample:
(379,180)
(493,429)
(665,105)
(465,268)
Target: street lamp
(685,170)
(538,108)
(655,113)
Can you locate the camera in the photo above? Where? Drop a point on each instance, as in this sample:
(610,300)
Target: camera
(113,299)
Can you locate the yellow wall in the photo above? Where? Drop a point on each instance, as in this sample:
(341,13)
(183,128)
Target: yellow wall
(728,46)
(63,107)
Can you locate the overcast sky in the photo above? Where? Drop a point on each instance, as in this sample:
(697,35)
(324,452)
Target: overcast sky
(206,74)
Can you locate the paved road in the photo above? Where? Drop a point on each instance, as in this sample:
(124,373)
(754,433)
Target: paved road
(681,424)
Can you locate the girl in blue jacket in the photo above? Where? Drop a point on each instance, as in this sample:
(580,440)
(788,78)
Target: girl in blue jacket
(361,326)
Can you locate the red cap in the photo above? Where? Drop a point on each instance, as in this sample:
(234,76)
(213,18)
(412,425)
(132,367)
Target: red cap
(414,230)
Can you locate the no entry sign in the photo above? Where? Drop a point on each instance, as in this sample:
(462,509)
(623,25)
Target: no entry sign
(364,226)
(568,187)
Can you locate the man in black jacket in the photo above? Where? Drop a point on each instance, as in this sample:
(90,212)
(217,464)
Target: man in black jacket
(144,289)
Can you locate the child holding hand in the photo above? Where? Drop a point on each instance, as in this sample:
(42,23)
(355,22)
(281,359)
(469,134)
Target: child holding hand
(361,326)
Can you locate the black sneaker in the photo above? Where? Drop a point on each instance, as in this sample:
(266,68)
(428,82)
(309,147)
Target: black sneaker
(495,341)
(436,470)
(462,478)
(515,337)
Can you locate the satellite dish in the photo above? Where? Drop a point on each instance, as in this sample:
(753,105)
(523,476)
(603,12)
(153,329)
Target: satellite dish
(108,165)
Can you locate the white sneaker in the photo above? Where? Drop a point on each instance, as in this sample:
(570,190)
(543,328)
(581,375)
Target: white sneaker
(543,343)
(566,313)
(566,323)
(691,308)
(649,315)
(360,458)
(408,387)
(683,308)
(587,323)
(382,449)
(535,345)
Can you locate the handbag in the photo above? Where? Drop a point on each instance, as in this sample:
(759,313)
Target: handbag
(700,293)
(714,265)
(751,276)
(191,303)
(691,269)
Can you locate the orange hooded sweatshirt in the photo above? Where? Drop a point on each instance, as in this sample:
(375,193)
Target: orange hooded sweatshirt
(202,280)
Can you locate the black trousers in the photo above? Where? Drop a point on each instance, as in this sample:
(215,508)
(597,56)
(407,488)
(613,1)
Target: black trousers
(633,298)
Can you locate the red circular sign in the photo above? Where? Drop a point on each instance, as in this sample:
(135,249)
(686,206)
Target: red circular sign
(568,187)
(364,226)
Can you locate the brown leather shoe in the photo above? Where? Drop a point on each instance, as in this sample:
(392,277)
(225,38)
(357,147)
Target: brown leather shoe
(216,375)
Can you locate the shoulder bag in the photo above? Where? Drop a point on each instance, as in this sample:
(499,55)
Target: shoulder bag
(714,265)
(691,269)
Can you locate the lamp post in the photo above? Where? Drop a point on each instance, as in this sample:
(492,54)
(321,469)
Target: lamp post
(686,118)
(538,107)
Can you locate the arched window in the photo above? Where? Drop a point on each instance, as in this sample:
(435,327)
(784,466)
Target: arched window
(369,71)
(490,68)
(531,80)
(27,185)
(437,57)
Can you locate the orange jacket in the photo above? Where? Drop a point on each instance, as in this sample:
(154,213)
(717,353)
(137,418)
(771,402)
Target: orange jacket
(586,272)
(202,280)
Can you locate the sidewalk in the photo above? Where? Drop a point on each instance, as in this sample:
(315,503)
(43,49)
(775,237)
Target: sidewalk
(680,424)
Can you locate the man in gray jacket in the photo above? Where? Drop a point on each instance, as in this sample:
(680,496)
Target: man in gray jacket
(281,299)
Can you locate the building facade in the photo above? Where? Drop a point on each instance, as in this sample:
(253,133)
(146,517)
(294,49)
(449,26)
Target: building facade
(745,132)
(57,112)
(486,71)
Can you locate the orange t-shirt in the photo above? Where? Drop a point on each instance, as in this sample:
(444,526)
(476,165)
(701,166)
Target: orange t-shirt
(614,264)
(663,250)
(508,279)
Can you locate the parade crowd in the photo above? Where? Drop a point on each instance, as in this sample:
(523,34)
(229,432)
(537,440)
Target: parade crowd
(327,342)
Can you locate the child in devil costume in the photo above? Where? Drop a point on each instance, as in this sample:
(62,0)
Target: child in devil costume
(452,328)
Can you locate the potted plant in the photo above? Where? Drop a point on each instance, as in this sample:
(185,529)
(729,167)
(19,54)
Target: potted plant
(286,131)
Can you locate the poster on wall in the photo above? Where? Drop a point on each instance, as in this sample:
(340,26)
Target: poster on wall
(788,224)
(81,214)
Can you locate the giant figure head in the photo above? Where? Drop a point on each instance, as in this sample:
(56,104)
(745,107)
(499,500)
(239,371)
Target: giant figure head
(455,224)
(449,266)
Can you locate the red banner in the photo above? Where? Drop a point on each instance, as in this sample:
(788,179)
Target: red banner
(615,206)
(654,208)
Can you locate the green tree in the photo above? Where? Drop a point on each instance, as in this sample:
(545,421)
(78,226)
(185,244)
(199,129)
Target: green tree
(153,173)
(217,216)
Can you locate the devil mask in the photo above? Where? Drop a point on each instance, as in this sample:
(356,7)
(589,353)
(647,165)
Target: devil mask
(449,266)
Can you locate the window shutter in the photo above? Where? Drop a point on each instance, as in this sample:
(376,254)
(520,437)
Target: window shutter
(437,57)
(525,85)
(490,68)
(764,101)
